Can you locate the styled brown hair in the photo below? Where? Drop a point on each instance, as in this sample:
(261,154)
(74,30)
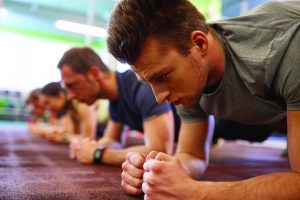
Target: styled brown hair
(80,59)
(133,21)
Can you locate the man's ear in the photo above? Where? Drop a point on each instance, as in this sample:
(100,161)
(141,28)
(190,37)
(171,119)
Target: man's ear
(94,72)
(200,40)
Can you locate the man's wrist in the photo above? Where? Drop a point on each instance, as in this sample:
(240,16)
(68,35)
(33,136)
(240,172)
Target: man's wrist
(98,154)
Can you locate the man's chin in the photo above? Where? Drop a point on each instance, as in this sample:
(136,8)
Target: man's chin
(190,104)
(88,102)
(187,106)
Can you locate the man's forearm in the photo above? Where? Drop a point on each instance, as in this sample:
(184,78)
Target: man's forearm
(277,186)
(118,156)
(194,167)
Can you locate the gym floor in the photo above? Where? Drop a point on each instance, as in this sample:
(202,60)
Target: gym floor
(33,168)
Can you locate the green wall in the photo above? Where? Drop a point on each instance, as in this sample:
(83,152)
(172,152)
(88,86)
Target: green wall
(211,9)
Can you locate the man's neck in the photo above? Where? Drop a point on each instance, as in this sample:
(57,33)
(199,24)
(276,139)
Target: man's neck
(110,85)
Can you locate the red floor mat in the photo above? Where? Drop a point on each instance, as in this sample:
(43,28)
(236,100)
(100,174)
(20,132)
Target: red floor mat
(32,168)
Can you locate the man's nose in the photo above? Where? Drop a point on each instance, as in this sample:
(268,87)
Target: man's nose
(71,95)
(160,93)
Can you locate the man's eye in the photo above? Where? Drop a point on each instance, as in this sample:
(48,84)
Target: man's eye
(70,86)
(162,78)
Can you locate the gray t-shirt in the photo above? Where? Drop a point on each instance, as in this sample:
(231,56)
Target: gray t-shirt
(262,71)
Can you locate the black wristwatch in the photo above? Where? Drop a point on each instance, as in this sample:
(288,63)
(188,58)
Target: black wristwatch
(98,154)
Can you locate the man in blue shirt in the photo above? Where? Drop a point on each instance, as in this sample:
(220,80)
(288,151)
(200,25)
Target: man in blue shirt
(132,103)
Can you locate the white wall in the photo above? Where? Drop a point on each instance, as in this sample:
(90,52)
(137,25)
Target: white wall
(28,62)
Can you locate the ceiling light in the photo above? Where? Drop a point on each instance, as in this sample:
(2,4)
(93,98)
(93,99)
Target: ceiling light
(80,28)
(3,13)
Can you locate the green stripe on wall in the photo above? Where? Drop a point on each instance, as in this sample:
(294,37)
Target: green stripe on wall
(211,9)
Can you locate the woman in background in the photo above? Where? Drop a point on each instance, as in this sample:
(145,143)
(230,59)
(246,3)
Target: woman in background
(68,119)
(35,107)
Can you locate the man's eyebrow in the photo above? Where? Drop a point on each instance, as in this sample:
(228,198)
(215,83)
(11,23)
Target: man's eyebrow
(150,77)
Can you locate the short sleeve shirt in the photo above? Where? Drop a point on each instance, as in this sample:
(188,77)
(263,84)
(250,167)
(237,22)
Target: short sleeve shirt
(262,71)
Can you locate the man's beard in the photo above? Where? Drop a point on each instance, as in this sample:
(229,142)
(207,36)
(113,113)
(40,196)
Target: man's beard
(194,101)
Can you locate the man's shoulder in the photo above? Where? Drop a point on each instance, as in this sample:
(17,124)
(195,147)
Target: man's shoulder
(127,79)
(268,15)
(274,6)
(131,85)
(128,74)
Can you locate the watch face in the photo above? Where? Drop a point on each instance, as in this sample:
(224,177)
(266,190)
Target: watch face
(98,153)
(98,156)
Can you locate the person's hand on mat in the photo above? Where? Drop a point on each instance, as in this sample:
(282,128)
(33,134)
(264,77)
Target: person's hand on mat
(75,144)
(36,130)
(165,178)
(132,175)
(56,137)
(53,129)
(72,146)
(85,151)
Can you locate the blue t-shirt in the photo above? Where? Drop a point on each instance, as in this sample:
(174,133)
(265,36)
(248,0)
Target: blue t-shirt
(136,102)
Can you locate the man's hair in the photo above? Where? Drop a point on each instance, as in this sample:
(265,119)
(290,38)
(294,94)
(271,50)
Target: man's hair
(133,21)
(81,59)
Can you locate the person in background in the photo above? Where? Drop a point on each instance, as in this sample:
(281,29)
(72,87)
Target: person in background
(131,104)
(35,107)
(244,69)
(38,115)
(68,119)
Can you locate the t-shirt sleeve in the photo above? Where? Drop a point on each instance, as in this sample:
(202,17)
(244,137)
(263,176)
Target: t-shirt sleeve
(288,78)
(113,112)
(291,91)
(191,115)
(147,103)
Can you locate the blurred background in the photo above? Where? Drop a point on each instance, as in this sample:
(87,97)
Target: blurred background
(35,33)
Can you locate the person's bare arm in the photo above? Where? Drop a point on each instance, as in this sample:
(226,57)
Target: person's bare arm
(112,135)
(158,134)
(284,185)
(194,145)
(159,183)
